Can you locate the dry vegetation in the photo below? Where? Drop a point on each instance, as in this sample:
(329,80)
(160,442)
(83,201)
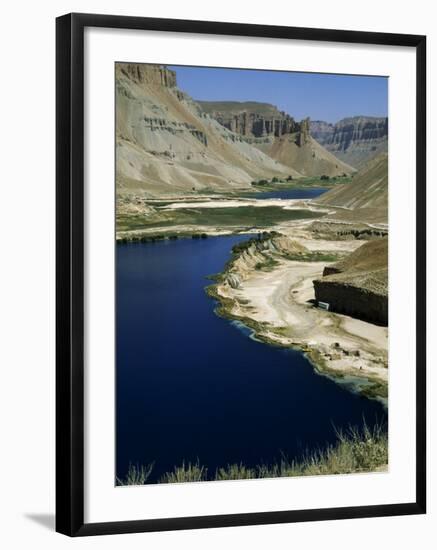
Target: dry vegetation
(355,452)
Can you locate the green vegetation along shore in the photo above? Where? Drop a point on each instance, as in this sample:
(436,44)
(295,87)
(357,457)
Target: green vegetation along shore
(276,184)
(231,217)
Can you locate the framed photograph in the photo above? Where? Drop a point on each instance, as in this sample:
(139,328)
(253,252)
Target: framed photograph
(240,274)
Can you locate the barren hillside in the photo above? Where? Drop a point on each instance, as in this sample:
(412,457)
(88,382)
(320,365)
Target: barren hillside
(278,135)
(366,196)
(166,145)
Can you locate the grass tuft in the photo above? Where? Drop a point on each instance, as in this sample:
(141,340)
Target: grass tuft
(136,475)
(356,451)
(236,471)
(185,473)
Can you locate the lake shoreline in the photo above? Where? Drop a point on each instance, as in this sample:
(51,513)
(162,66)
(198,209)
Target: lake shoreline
(365,379)
(149,219)
(314,356)
(161,291)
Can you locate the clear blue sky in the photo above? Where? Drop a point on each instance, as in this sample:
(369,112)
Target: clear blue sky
(320,96)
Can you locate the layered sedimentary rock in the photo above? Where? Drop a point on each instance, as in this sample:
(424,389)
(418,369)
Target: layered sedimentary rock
(257,253)
(354,140)
(358,285)
(278,135)
(329,230)
(250,118)
(304,133)
(167,145)
(153,75)
(321,131)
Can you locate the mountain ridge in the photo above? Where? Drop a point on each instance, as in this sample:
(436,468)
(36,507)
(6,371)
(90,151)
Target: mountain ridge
(355,140)
(166,145)
(277,134)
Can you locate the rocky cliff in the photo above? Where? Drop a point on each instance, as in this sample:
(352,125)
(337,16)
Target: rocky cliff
(354,140)
(165,144)
(278,135)
(258,253)
(250,118)
(151,75)
(358,285)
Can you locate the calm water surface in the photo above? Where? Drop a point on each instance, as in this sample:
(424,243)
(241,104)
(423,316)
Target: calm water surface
(299,193)
(192,386)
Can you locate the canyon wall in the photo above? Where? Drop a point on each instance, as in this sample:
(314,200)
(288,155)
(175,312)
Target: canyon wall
(251,119)
(166,145)
(278,135)
(354,140)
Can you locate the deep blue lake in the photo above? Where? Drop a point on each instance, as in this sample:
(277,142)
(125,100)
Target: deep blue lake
(297,193)
(192,386)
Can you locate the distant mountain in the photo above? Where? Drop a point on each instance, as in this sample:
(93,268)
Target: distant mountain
(167,145)
(354,140)
(278,135)
(366,197)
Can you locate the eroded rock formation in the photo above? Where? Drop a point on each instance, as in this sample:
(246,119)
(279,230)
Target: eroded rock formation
(304,132)
(152,75)
(358,285)
(256,120)
(354,140)
(167,145)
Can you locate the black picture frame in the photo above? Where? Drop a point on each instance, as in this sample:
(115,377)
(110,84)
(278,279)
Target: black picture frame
(70,273)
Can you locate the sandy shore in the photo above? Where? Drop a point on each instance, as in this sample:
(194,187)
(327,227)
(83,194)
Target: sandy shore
(286,204)
(279,303)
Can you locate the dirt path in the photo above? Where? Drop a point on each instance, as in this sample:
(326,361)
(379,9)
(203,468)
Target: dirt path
(281,299)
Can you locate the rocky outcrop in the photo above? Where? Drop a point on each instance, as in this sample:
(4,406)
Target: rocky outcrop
(152,75)
(251,119)
(253,124)
(354,140)
(351,299)
(259,253)
(303,136)
(278,135)
(257,120)
(358,285)
(167,145)
(340,231)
